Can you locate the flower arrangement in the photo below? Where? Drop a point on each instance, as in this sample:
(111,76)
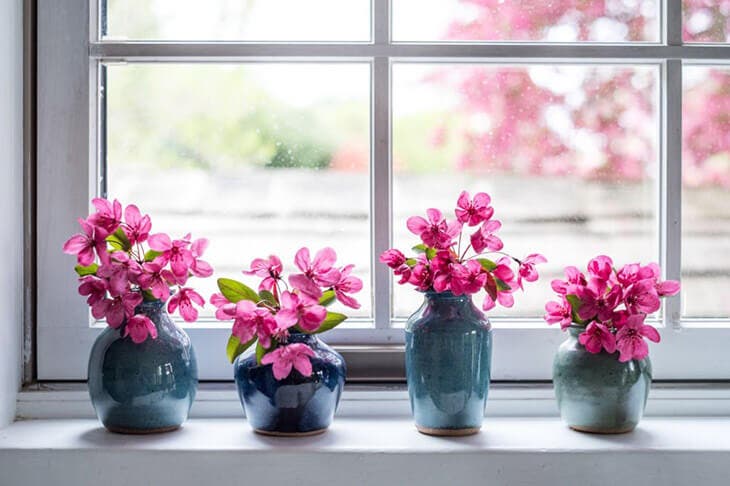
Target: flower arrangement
(610,305)
(117,273)
(440,264)
(267,317)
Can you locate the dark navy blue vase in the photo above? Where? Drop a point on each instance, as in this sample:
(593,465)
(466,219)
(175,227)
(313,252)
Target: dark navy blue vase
(448,359)
(297,405)
(143,388)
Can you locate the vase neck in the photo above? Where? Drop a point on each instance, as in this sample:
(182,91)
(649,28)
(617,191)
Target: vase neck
(575,330)
(433,296)
(301,337)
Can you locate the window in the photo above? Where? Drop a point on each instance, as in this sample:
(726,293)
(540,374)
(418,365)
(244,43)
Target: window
(597,126)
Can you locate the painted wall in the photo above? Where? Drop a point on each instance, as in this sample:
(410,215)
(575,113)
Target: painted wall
(11,204)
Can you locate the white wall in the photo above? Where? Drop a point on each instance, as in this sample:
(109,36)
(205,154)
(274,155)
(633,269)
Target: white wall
(11,204)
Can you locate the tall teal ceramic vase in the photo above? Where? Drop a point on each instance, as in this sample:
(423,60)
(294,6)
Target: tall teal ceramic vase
(448,359)
(596,392)
(143,388)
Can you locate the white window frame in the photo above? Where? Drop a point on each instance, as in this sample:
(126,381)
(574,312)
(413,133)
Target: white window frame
(69,54)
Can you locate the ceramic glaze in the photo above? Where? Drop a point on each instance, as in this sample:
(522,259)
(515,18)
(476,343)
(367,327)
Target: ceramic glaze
(448,359)
(596,392)
(147,387)
(297,405)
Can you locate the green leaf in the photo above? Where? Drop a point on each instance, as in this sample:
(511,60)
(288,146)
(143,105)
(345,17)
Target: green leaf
(420,248)
(84,271)
(235,347)
(260,352)
(502,285)
(575,304)
(119,241)
(328,296)
(235,291)
(268,297)
(411,262)
(487,264)
(151,255)
(430,253)
(332,320)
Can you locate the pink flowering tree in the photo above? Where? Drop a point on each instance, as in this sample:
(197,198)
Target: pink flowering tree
(267,317)
(122,264)
(448,261)
(610,306)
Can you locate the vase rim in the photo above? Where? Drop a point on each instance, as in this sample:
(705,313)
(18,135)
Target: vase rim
(447,294)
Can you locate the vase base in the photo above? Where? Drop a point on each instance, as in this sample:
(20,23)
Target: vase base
(272,433)
(447,432)
(595,430)
(129,431)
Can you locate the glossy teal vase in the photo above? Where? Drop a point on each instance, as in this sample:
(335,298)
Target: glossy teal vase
(596,392)
(448,360)
(143,388)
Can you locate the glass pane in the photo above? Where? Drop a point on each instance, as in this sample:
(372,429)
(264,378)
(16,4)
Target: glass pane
(568,154)
(236,20)
(706,193)
(259,158)
(526,20)
(705,20)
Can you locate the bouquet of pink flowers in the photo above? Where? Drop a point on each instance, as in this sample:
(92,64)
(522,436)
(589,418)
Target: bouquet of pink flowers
(277,309)
(117,272)
(441,265)
(611,306)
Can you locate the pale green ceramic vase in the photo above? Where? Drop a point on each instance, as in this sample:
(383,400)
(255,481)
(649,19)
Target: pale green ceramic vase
(596,392)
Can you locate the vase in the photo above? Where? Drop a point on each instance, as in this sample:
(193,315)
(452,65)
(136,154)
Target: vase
(297,405)
(143,388)
(596,392)
(448,359)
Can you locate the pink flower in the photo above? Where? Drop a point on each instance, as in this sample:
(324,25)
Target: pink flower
(156,279)
(200,268)
(218,300)
(468,278)
(496,290)
(642,297)
(436,232)
(139,327)
(284,358)
(600,267)
(93,287)
(632,273)
(300,309)
(396,260)
(421,275)
(316,273)
(250,321)
(117,309)
(596,302)
(270,269)
(184,299)
(137,227)
(348,284)
(485,239)
(441,267)
(596,337)
(119,272)
(630,338)
(573,276)
(473,212)
(559,312)
(84,244)
(527,268)
(667,287)
(108,214)
(175,252)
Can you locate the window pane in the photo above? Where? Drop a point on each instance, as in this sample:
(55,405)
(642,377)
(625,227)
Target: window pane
(706,194)
(705,20)
(259,158)
(526,20)
(568,153)
(236,20)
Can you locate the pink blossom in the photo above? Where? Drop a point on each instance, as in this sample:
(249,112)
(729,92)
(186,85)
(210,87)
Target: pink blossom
(176,252)
(441,267)
(396,260)
(184,299)
(632,273)
(596,337)
(316,273)
(156,279)
(300,309)
(596,301)
(496,290)
(284,358)
(218,300)
(421,275)
(573,277)
(559,312)
(468,278)
(250,321)
(84,244)
(117,309)
(270,269)
(600,267)
(485,239)
(93,287)
(630,338)
(200,268)
(139,327)
(119,272)
(436,232)
(642,297)
(527,271)
(667,287)
(136,227)
(348,284)
(473,212)
(108,215)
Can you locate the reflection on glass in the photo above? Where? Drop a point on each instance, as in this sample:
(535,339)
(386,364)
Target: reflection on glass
(236,20)
(706,194)
(706,20)
(259,158)
(568,153)
(526,20)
